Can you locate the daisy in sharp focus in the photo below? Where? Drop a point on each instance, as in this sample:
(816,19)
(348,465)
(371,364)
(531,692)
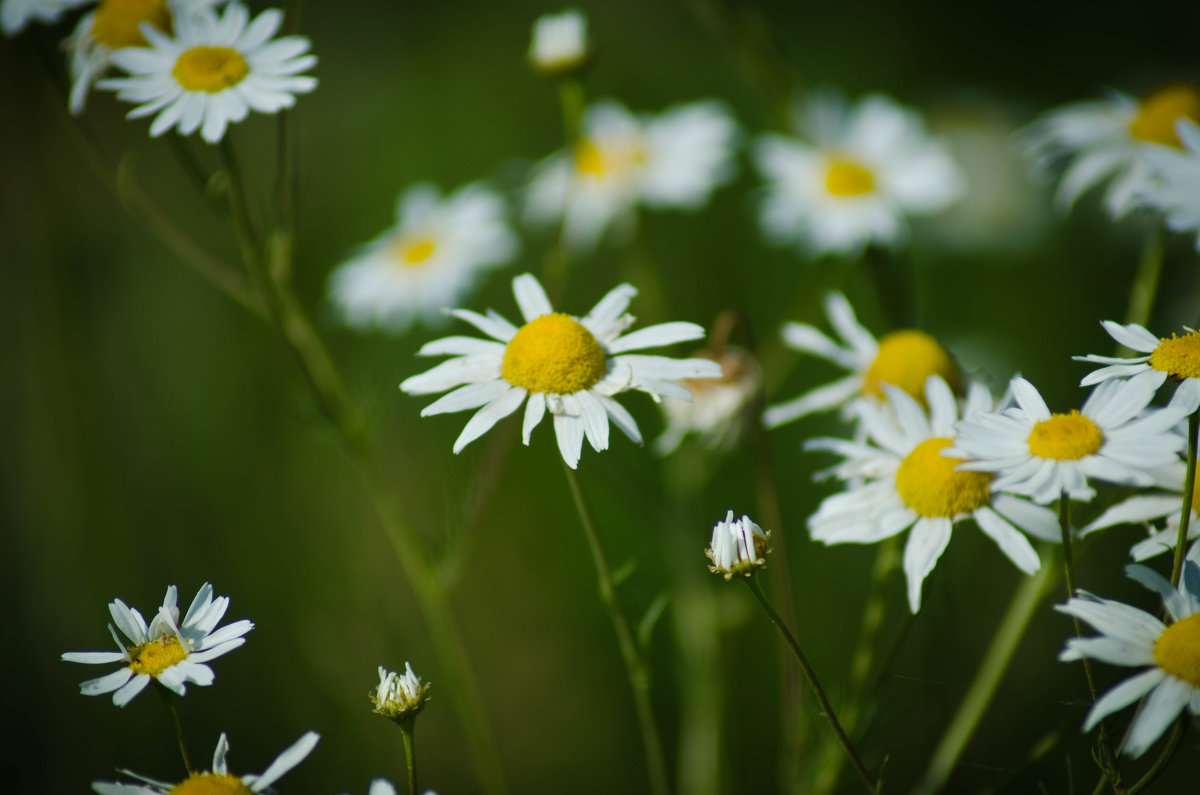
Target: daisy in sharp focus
(1129,636)
(568,366)
(904,358)
(738,547)
(219,779)
(428,260)
(212,71)
(1114,436)
(1106,140)
(1175,190)
(854,178)
(1167,503)
(901,477)
(670,161)
(170,652)
(399,696)
(15,15)
(1177,358)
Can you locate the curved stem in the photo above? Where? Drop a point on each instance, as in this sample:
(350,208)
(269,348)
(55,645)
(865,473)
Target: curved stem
(635,667)
(1189,488)
(811,676)
(183,748)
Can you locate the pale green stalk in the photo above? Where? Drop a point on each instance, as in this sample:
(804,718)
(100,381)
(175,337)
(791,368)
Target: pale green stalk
(571,100)
(183,747)
(1189,487)
(1145,283)
(410,756)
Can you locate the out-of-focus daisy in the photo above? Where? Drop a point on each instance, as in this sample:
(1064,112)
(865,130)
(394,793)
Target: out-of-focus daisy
(1175,189)
(559,44)
(1177,358)
(901,477)
(399,696)
(568,366)
(737,547)
(15,15)
(672,160)
(167,651)
(431,256)
(1107,139)
(904,358)
(718,408)
(219,779)
(856,175)
(212,71)
(1130,636)
(1145,508)
(1114,436)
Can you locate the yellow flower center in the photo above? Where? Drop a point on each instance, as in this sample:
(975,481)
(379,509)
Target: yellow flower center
(116,22)
(1065,437)
(906,359)
(1178,357)
(210,69)
(554,353)
(1177,650)
(155,656)
(1158,112)
(600,162)
(412,252)
(847,178)
(210,784)
(929,484)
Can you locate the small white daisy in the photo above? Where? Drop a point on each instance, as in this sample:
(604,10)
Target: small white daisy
(1107,139)
(1145,508)
(427,261)
(856,176)
(737,547)
(213,71)
(399,696)
(167,651)
(902,477)
(559,44)
(718,408)
(15,15)
(904,358)
(1177,358)
(673,160)
(568,366)
(1114,436)
(1175,191)
(219,779)
(1130,636)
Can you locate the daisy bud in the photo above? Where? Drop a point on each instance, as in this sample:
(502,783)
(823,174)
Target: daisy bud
(400,697)
(737,547)
(559,43)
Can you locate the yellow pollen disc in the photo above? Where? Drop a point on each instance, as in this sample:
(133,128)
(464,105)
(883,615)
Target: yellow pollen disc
(116,22)
(906,359)
(597,162)
(155,656)
(928,483)
(210,69)
(210,784)
(412,252)
(554,353)
(847,178)
(1177,650)
(1065,437)
(1178,357)
(1158,112)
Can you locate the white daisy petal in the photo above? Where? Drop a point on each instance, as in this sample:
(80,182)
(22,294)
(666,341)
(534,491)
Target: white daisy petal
(1122,696)
(482,421)
(1162,706)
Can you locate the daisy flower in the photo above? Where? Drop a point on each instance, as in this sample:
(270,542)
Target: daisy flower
(1114,436)
(737,547)
(219,779)
(1175,191)
(1177,358)
(431,256)
(902,477)
(673,160)
(1106,140)
(904,358)
(568,366)
(167,651)
(1164,504)
(15,15)
(213,71)
(858,173)
(559,44)
(1130,636)
(399,696)
(719,405)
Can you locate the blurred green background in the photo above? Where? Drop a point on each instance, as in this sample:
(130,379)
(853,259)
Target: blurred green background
(155,433)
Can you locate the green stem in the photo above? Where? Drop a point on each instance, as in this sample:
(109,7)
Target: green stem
(410,756)
(982,689)
(183,748)
(1189,488)
(1160,764)
(811,676)
(635,667)
(572,101)
(1145,282)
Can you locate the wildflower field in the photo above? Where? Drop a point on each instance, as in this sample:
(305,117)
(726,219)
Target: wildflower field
(691,397)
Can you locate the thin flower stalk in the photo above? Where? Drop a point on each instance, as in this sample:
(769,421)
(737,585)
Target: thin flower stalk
(1189,488)
(174,713)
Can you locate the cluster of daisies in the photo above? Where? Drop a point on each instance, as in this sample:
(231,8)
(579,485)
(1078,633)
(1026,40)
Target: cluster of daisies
(170,654)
